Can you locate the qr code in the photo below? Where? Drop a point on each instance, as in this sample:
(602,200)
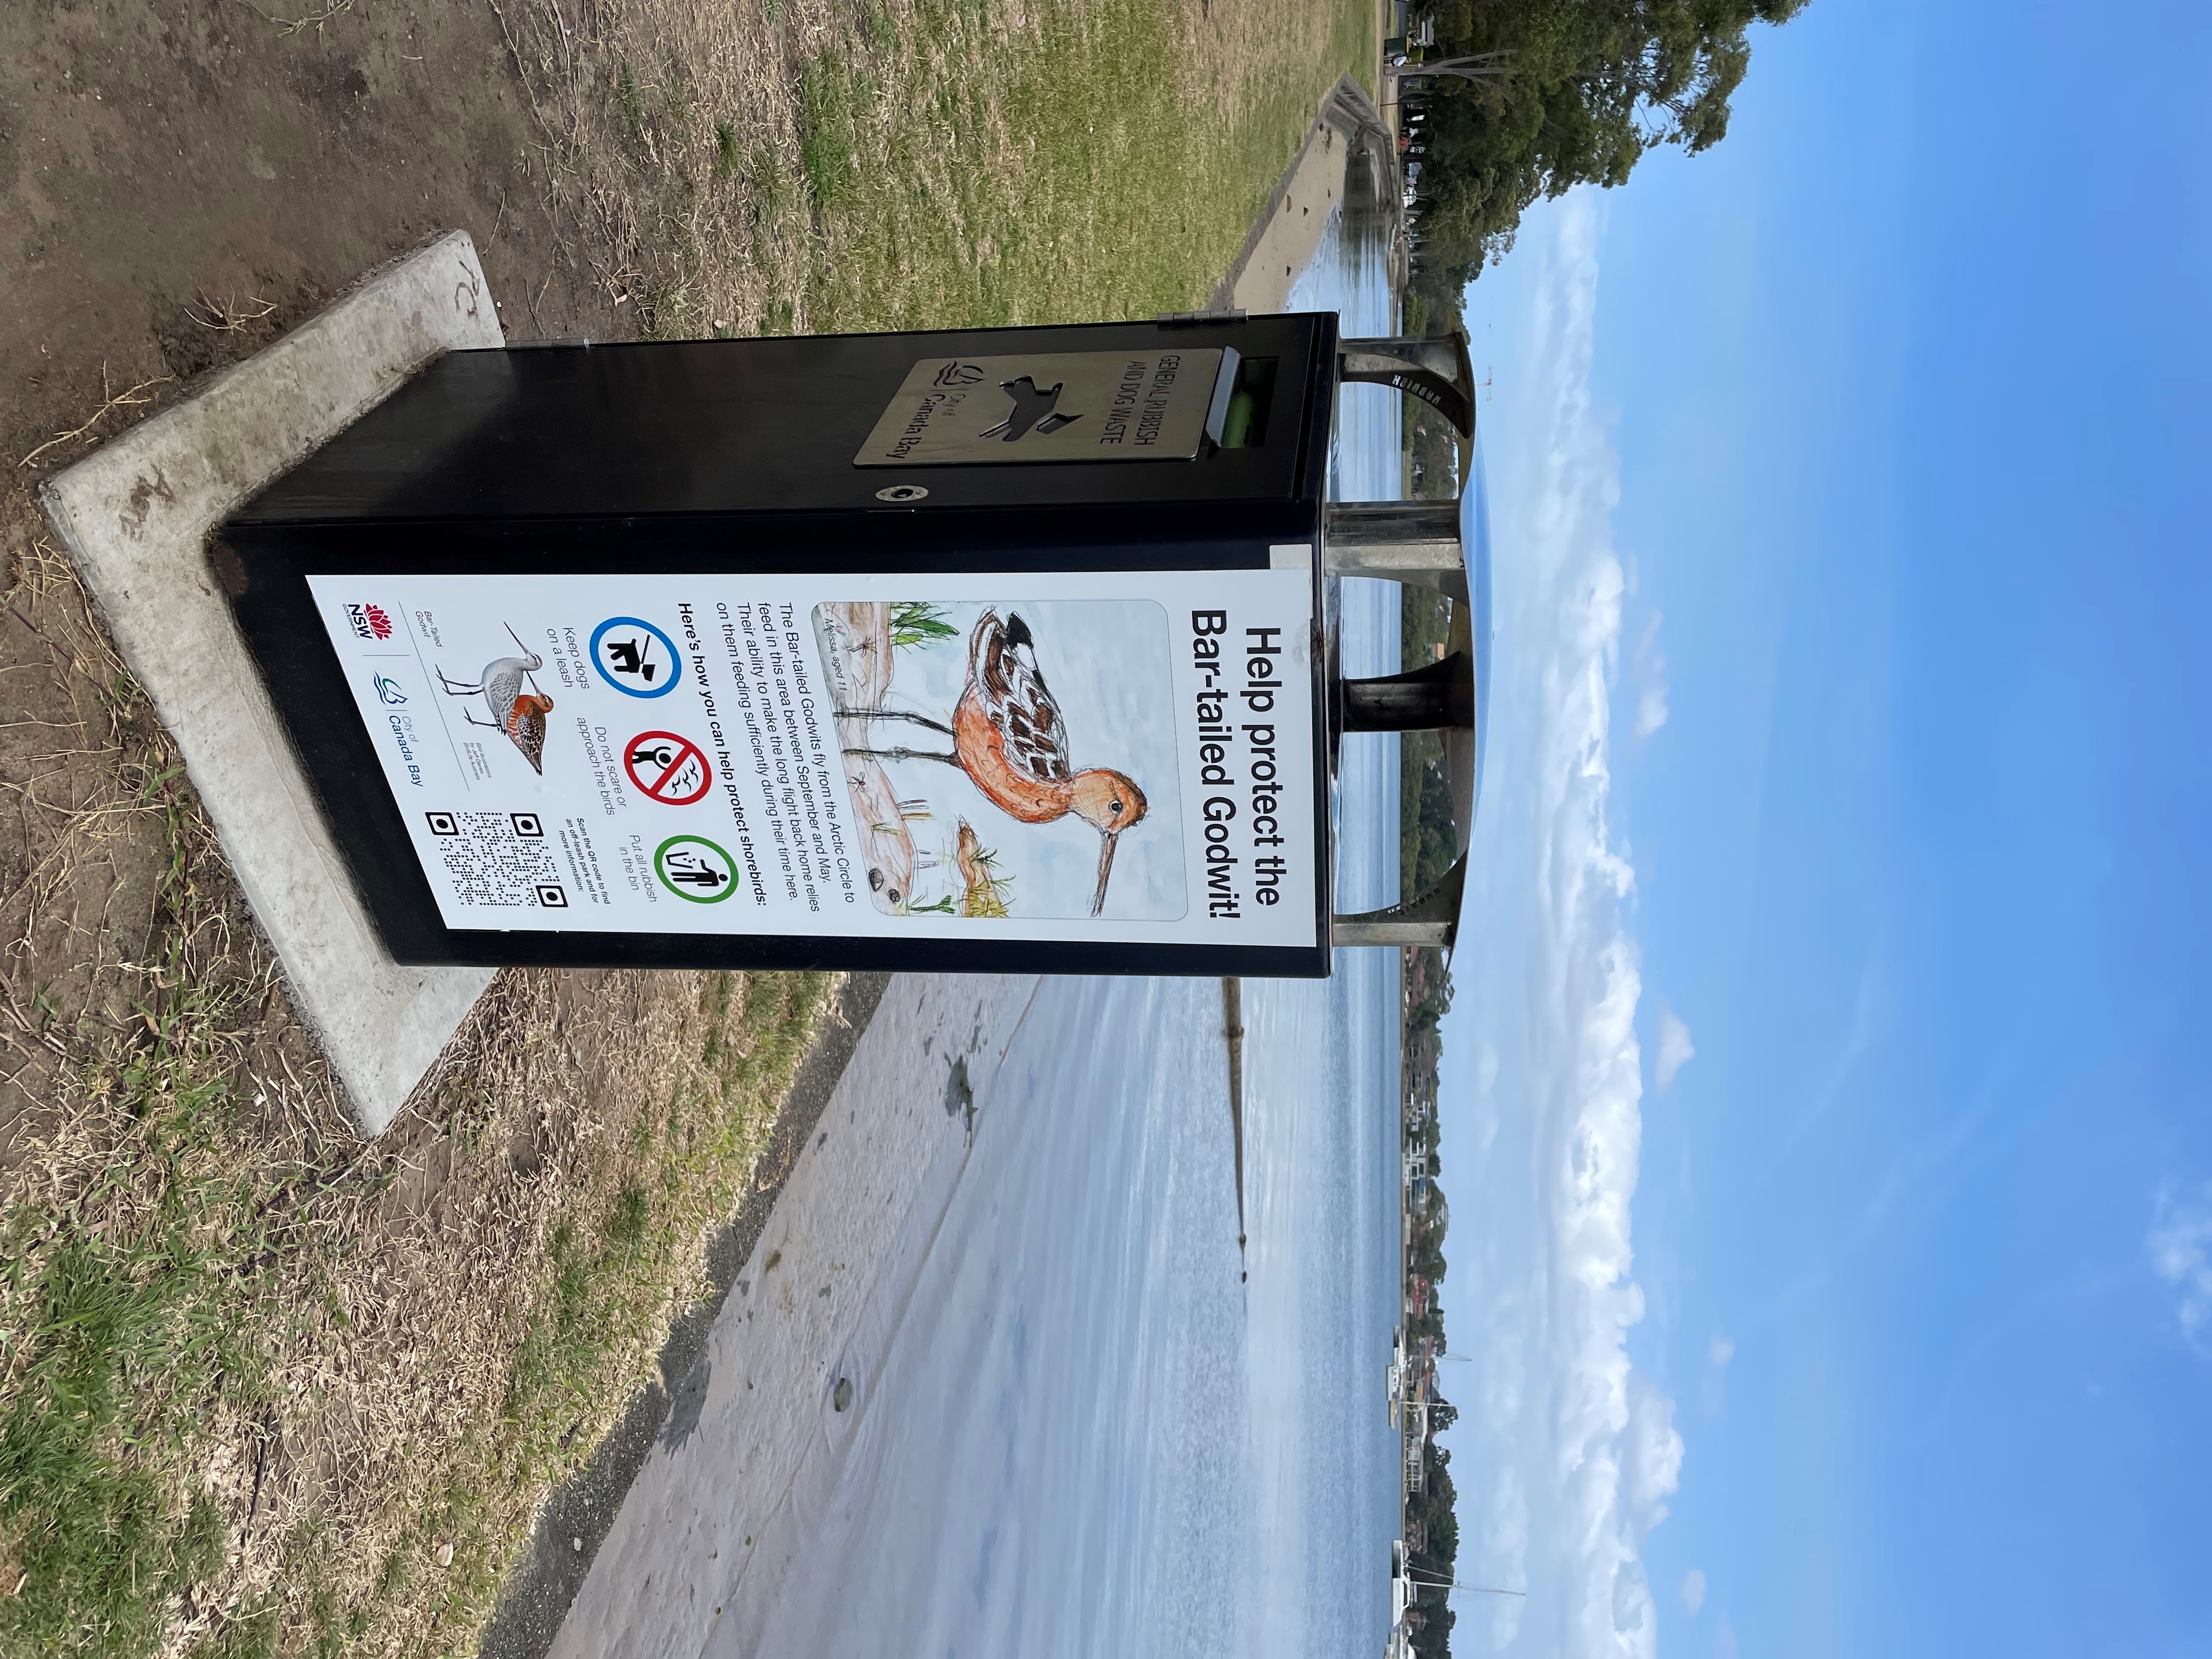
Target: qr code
(498,860)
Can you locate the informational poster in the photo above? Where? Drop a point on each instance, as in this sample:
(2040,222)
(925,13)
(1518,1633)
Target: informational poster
(1123,756)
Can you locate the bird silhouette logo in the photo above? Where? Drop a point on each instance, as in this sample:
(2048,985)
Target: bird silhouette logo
(1033,411)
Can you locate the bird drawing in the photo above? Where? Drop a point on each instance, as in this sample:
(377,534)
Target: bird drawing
(520,714)
(1009,737)
(1032,411)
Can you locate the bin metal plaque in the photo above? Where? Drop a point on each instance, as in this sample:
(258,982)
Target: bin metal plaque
(1140,405)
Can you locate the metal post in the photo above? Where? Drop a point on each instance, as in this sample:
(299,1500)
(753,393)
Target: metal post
(1416,543)
(1437,371)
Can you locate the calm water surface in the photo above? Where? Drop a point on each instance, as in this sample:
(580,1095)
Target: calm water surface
(1098,1439)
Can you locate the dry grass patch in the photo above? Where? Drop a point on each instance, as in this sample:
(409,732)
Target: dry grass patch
(772,168)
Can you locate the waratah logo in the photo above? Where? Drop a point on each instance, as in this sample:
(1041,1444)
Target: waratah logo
(370,621)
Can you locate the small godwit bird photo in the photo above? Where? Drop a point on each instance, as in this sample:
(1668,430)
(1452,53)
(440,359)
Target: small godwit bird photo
(518,712)
(1010,759)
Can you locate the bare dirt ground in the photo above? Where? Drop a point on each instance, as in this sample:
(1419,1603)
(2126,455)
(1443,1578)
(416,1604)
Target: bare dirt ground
(173,167)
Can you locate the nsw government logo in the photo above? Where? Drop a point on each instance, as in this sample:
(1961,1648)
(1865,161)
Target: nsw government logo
(369,622)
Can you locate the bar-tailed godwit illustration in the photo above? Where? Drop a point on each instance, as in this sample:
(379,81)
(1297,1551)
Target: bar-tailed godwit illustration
(1009,737)
(519,713)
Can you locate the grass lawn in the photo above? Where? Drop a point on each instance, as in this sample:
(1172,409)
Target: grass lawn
(265,1389)
(924,163)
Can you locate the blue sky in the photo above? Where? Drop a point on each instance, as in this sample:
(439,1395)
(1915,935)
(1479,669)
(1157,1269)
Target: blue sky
(1848,778)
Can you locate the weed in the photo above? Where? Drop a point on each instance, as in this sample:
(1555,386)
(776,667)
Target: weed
(680,100)
(728,160)
(250,1635)
(630,99)
(392,1577)
(632,1212)
(827,99)
(668,309)
(714,1006)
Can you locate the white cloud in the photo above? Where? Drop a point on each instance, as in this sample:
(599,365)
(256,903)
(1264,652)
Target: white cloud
(1566,1456)
(1649,670)
(1713,1386)
(1725,1640)
(1675,1049)
(2180,1246)
(1693,1591)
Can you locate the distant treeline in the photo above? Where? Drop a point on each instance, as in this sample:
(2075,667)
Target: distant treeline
(1554,94)
(1435,1505)
(1434,1561)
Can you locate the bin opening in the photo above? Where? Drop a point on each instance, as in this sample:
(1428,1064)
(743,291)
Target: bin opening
(1245,425)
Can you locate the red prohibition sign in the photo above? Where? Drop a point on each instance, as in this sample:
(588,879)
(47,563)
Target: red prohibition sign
(671,768)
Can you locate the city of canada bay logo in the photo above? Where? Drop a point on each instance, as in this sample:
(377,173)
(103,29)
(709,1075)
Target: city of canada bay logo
(633,656)
(692,867)
(959,374)
(369,622)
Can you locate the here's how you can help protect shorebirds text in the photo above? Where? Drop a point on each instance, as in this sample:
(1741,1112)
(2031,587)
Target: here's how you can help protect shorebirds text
(1124,756)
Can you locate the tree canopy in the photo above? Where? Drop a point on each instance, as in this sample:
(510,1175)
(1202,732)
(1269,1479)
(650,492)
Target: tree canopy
(1434,1566)
(1566,92)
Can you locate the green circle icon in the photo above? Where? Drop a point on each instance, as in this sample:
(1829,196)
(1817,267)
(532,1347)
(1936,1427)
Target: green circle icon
(692,867)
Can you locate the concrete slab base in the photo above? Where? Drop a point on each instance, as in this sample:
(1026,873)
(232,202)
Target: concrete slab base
(135,516)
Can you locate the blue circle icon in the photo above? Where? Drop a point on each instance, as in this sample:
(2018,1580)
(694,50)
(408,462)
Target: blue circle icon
(635,657)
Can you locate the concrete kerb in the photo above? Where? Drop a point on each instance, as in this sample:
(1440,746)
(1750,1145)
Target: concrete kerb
(565,1540)
(135,516)
(1287,233)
